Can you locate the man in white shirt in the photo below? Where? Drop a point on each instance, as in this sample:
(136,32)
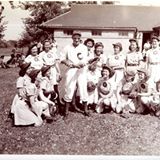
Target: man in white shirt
(75,58)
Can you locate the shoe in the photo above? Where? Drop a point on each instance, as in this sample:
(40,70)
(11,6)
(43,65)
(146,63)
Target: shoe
(49,119)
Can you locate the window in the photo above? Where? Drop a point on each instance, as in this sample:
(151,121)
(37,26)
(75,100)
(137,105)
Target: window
(123,33)
(68,32)
(96,33)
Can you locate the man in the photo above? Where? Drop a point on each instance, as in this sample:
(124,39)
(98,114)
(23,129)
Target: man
(75,58)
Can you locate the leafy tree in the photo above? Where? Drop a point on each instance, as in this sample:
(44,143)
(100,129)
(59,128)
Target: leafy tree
(40,11)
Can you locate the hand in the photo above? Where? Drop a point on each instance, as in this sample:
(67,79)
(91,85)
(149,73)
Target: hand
(58,77)
(21,92)
(81,65)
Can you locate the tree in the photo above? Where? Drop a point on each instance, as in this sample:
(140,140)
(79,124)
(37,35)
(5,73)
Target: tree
(2,24)
(40,11)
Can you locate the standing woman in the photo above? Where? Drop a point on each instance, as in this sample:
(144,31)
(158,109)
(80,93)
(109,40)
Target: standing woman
(50,59)
(98,53)
(133,57)
(33,57)
(153,61)
(117,62)
(89,43)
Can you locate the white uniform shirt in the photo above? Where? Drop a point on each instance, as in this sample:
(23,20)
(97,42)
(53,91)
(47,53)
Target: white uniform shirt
(133,58)
(153,55)
(36,61)
(49,58)
(116,61)
(75,54)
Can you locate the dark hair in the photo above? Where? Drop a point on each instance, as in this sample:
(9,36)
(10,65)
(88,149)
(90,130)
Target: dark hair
(137,49)
(22,72)
(89,40)
(30,48)
(47,40)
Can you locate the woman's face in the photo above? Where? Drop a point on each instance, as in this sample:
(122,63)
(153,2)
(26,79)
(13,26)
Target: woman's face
(105,73)
(89,45)
(116,49)
(141,76)
(99,50)
(48,73)
(133,46)
(155,43)
(34,51)
(47,46)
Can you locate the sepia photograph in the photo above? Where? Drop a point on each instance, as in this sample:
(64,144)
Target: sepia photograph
(80,78)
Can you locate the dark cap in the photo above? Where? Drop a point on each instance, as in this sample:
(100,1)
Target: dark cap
(24,66)
(76,32)
(44,69)
(33,73)
(99,44)
(119,45)
(155,37)
(133,40)
(111,71)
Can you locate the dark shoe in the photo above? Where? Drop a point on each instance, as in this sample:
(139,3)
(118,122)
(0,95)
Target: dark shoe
(49,119)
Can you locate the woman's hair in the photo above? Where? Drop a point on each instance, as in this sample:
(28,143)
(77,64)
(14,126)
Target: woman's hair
(30,48)
(47,40)
(137,49)
(89,40)
(22,72)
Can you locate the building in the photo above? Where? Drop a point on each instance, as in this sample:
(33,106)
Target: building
(106,23)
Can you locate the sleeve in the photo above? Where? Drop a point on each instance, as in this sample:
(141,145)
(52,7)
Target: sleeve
(43,84)
(27,59)
(140,56)
(63,54)
(30,90)
(19,83)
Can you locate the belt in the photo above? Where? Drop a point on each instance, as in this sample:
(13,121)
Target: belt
(132,64)
(154,63)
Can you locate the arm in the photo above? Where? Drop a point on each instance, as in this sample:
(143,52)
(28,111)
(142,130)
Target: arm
(44,98)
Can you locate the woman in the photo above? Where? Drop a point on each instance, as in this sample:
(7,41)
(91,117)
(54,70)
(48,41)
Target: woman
(133,57)
(107,100)
(46,90)
(52,60)
(26,108)
(89,43)
(98,53)
(33,57)
(153,62)
(117,62)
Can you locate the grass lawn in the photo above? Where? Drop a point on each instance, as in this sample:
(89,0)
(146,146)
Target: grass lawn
(105,134)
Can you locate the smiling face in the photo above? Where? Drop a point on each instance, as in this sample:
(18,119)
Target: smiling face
(141,76)
(116,49)
(105,73)
(76,40)
(155,43)
(98,50)
(34,51)
(133,46)
(89,45)
(47,46)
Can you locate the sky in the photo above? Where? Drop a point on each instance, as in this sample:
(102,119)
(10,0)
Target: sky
(15,26)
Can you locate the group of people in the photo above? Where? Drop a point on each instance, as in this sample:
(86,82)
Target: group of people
(121,82)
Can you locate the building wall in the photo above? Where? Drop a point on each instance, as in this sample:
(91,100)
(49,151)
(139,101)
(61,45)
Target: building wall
(107,38)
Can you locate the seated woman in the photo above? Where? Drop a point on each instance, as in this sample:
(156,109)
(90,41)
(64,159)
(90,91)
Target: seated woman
(26,107)
(46,90)
(107,99)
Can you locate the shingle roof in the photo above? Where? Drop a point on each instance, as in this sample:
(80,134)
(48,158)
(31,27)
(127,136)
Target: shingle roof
(144,18)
